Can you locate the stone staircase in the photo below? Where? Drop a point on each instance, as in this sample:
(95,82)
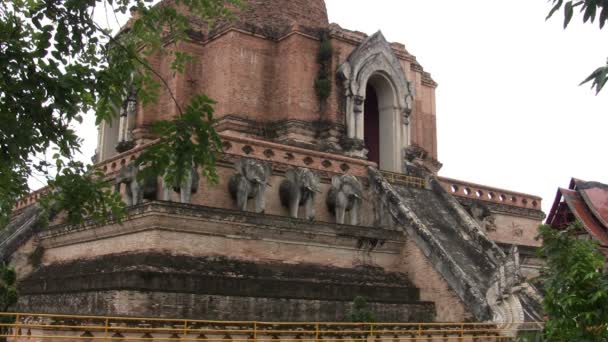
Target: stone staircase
(484,277)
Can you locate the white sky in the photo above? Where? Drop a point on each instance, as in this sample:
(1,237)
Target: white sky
(510,113)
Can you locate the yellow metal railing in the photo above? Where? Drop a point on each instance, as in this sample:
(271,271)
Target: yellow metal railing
(40,327)
(401,179)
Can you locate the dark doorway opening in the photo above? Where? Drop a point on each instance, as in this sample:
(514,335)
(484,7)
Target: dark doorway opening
(371,125)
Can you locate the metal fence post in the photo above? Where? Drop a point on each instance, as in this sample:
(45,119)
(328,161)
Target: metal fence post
(462,332)
(16,328)
(255,331)
(106,330)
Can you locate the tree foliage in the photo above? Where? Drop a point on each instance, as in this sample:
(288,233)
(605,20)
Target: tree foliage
(177,151)
(591,11)
(8,295)
(576,287)
(57,63)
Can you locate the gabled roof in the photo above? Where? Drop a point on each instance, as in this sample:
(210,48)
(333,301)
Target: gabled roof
(585,201)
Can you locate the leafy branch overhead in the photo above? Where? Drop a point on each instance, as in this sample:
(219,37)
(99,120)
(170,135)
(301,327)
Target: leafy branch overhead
(591,10)
(186,142)
(60,62)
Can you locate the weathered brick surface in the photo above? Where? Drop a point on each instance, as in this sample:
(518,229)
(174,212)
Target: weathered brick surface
(263,68)
(206,287)
(259,239)
(185,305)
(432,286)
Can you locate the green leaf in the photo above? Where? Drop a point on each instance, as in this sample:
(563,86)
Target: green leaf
(568,12)
(557,6)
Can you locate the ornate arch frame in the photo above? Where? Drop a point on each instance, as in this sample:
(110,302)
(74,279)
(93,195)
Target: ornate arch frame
(374,57)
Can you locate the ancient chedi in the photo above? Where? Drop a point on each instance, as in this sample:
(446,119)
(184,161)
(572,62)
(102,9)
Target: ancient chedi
(302,220)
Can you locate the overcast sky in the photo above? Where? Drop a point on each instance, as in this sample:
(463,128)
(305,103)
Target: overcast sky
(510,113)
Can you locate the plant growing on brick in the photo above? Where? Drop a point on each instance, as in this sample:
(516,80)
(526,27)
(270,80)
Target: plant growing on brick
(323,81)
(361,311)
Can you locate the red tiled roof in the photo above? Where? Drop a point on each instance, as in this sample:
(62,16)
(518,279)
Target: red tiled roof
(582,211)
(595,196)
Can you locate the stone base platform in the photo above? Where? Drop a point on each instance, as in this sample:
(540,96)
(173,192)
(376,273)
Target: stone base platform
(218,288)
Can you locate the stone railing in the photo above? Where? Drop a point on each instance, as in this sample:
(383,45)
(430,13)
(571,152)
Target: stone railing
(489,194)
(294,156)
(29,199)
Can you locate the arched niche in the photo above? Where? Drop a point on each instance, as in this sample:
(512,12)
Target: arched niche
(373,64)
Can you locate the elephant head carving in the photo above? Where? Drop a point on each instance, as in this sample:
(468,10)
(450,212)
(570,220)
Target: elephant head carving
(188,186)
(345,195)
(299,189)
(250,182)
(128,176)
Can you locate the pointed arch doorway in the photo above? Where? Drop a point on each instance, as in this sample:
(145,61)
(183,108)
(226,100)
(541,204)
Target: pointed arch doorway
(377,126)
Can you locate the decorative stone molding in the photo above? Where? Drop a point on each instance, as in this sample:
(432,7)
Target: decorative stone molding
(482,215)
(416,157)
(315,135)
(354,147)
(506,292)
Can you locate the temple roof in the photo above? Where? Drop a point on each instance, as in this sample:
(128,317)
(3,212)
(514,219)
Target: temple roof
(583,201)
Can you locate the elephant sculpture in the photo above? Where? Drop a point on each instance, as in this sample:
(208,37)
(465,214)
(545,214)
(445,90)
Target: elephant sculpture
(250,182)
(188,186)
(298,189)
(345,195)
(128,176)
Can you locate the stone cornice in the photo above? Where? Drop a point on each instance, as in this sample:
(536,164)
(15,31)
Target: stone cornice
(229,223)
(228,29)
